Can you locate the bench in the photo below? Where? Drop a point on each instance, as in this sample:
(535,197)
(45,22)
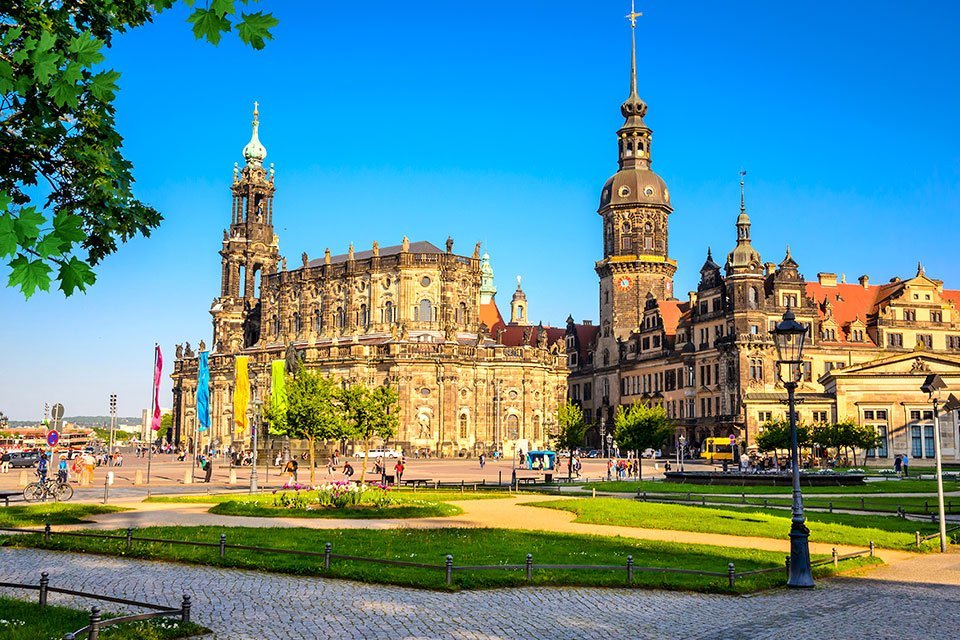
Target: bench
(6,495)
(417,482)
(527,479)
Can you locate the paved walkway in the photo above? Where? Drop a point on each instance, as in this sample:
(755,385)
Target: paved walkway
(506,513)
(913,600)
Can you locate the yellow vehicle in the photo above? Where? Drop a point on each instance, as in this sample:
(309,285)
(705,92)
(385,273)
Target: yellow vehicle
(717,449)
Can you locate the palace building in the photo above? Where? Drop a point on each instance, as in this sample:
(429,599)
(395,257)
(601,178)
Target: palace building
(709,359)
(414,316)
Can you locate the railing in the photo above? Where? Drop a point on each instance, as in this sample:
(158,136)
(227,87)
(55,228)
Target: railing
(922,539)
(448,567)
(96,623)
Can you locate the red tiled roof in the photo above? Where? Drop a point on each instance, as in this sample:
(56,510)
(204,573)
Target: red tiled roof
(490,316)
(670,312)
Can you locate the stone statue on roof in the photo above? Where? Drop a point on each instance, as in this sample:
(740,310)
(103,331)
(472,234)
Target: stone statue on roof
(202,347)
(476,251)
(291,362)
(541,337)
(376,248)
(179,351)
(527,333)
(449,333)
(305,259)
(187,351)
(449,244)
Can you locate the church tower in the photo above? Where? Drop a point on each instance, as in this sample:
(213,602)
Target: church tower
(519,313)
(249,249)
(634,206)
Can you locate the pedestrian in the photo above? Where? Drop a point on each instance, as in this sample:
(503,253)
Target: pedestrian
(207,470)
(291,470)
(906,465)
(610,469)
(42,468)
(483,461)
(347,469)
(898,465)
(5,462)
(89,466)
(62,470)
(398,470)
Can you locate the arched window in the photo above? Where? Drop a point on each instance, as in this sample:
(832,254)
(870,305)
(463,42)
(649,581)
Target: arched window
(317,320)
(275,321)
(340,319)
(463,426)
(519,312)
(536,427)
(388,312)
(297,323)
(606,357)
(363,317)
(513,427)
(752,295)
(425,311)
(462,313)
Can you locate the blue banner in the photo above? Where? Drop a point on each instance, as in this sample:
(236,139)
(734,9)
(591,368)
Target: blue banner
(203,392)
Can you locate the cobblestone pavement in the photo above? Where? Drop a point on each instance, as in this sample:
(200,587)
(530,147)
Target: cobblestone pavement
(244,605)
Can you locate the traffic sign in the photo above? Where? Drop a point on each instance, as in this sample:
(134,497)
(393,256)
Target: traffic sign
(57,413)
(733,439)
(53,437)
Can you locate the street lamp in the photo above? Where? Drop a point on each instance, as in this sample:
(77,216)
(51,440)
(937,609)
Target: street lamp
(113,422)
(609,443)
(789,336)
(253,437)
(932,386)
(683,442)
(603,431)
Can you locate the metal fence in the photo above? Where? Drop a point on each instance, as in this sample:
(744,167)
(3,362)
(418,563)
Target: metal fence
(96,623)
(731,575)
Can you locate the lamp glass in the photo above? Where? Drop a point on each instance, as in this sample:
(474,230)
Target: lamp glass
(789,337)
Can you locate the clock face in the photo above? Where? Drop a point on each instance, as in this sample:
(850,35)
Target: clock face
(624,283)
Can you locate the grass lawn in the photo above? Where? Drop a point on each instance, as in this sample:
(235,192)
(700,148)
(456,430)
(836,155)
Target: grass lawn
(52,512)
(923,505)
(832,528)
(405,504)
(21,620)
(880,486)
(468,547)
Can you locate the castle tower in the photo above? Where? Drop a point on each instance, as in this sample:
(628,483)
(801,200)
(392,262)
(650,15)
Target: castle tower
(249,249)
(634,206)
(487,289)
(519,314)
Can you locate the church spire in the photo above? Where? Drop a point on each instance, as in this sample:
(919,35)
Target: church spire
(633,109)
(743,220)
(255,152)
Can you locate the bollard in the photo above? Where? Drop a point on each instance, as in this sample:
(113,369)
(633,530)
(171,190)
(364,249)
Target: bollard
(94,633)
(188,476)
(223,544)
(185,609)
(327,548)
(594,490)
(629,569)
(461,486)
(529,567)
(22,480)
(129,538)
(861,503)
(46,532)
(44,584)
(106,489)
(830,506)
(871,548)
(233,476)
(138,477)
(731,575)
(836,559)
(500,477)
(917,533)
(743,498)
(786,564)
(449,568)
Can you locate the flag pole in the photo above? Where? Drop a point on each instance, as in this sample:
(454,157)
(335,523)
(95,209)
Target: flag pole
(153,399)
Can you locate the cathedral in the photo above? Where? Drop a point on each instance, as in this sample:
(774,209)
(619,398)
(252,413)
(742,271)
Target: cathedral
(417,317)
(709,359)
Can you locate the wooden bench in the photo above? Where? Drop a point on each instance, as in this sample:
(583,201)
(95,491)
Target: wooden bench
(417,482)
(6,495)
(527,479)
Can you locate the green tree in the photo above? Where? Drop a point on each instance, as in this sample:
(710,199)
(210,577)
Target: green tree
(641,427)
(314,412)
(775,435)
(569,431)
(370,413)
(846,435)
(166,427)
(66,191)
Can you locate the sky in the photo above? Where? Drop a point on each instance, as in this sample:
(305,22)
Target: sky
(495,122)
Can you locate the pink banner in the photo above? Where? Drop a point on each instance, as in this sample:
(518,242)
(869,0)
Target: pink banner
(158,359)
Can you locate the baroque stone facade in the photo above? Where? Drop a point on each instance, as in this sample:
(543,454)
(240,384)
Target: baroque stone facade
(419,318)
(710,360)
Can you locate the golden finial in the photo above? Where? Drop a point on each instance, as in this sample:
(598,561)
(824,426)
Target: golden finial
(256,111)
(633,15)
(743,205)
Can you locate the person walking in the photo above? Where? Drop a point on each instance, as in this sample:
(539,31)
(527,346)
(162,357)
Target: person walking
(291,469)
(347,469)
(398,471)
(906,465)
(5,462)
(898,465)
(207,470)
(42,468)
(483,461)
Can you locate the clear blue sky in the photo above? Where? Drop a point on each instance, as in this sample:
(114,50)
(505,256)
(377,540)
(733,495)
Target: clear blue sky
(495,122)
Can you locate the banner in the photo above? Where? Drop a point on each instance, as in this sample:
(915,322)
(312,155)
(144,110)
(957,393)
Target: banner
(278,385)
(203,392)
(157,369)
(241,397)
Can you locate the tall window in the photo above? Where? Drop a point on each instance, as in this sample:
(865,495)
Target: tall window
(756,369)
(895,340)
(926,340)
(936,316)
(340,318)
(536,427)
(317,320)
(910,315)
(297,323)
(513,427)
(425,311)
(363,317)
(463,426)
(790,300)
(275,321)
(878,420)
(752,297)
(462,313)
(388,312)
(953,343)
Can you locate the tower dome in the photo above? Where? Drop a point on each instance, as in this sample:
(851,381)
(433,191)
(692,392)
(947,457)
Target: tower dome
(254,153)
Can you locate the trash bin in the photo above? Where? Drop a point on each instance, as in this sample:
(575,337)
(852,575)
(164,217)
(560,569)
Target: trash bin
(548,478)
(389,479)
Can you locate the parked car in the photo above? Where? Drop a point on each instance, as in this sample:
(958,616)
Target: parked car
(23,458)
(379,453)
(650,453)
(593,453)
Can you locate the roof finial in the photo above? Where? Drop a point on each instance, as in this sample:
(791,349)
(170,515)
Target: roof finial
(919,268)
(632,17)
(743,202)
(709,253)
(518,281)
(788,252)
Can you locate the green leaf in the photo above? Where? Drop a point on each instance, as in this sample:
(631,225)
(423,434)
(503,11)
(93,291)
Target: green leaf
(27,225)
(11,35)
(74,275)
(208,25)
(49,245)
(103,86)
(5,200)
(8,236)
(86,49)
(6,77)
(223,7)
(68,227)
(44,60)
(254,29)
(29,275)
(64,89)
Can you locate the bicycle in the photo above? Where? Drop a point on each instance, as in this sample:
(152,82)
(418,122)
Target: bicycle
(47,488)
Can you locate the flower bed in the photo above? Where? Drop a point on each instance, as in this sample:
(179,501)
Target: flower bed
(333,495)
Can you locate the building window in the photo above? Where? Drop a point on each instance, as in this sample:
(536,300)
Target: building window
(765,416)
(925,339)
(929,448)
(340,318)
(752,297)
(857,335)
(953,342)
(756,369)
(790,300)
(462,313)
(575,392)
(936,316)
(513,427)
(388,312)
(463,426)
(587,390)
(806,371)
(830,335)
(536,427)
(910,315)
(820,417)
(363,317)
(425,311)
(895,340)
(606,357)
(587,416)
(317,320)
(297,323)
(275,321)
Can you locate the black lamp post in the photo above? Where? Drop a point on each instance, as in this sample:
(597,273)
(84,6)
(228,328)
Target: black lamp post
(932,386)
(789,337)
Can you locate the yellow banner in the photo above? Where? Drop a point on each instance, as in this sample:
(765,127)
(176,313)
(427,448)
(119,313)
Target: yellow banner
(241,397)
